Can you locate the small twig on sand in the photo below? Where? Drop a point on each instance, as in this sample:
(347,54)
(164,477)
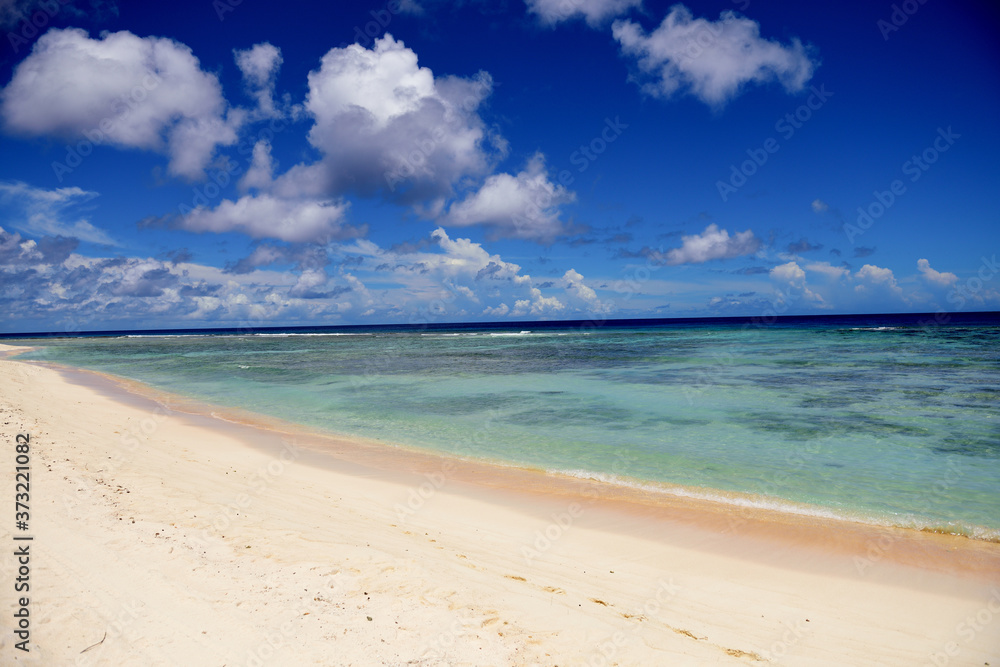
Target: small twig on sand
(97,644)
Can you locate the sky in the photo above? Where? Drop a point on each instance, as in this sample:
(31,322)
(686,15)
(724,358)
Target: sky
(221,163)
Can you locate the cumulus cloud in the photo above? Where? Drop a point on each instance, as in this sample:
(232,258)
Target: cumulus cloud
(260,173)
(46,283)
(383,124)
(497,311)
(792,278)
(41,212)
(584,296)
(128,91)
(789,273)
(537,304)
(465,257)
(712,60)
(16,250)
(941,279)
(525,206)
(259,65)
(265,216)
(458,274)
(828,270)
(305,257)
(596,12)
(871,278)
(820,206)
(821,285)
(876,274)
(713,243)
(143,278)
(313,284)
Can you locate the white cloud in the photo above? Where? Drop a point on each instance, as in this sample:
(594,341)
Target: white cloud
(713,60)
(793,280)
(828,270)
(876,274)
(128,91)
(465,258)
(790,273)
(595,12)
(523,206)
(537,304)
(260,172)
(460,273)
(497,311)
(39,212)
(586,297)
(385,124)
(871,278)
(260,65)
(310,284)
(820,206)
(265,216)
(713,243)
(941,279)
(45,282)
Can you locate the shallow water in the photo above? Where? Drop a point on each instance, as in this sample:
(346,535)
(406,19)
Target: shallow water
(894,425)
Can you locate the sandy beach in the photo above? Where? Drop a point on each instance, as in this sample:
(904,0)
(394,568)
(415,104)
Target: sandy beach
(164,535)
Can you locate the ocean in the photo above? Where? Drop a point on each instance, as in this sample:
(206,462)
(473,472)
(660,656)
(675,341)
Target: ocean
(884,419)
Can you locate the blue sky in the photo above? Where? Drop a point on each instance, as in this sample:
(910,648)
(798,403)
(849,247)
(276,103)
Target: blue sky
(232,164)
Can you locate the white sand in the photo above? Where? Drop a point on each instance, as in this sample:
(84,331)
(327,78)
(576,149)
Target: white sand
(181,544)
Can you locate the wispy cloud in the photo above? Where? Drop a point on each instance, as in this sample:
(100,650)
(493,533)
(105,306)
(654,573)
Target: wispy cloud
(712,60)
(595,12)
(803,245)
(41,212)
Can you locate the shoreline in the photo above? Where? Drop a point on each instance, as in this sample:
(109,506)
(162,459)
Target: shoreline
(454,560)
(641,491)
(714,510)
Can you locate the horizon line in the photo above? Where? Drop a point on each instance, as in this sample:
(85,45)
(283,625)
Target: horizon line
(939,318)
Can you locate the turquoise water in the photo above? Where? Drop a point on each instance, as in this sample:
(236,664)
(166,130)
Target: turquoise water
(888,425)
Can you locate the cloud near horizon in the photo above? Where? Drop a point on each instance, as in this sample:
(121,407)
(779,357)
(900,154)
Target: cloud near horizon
(77,290)
(837,286)
(937,278)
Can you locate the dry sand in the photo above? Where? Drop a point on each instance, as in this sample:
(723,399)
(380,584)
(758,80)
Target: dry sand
(184,539)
